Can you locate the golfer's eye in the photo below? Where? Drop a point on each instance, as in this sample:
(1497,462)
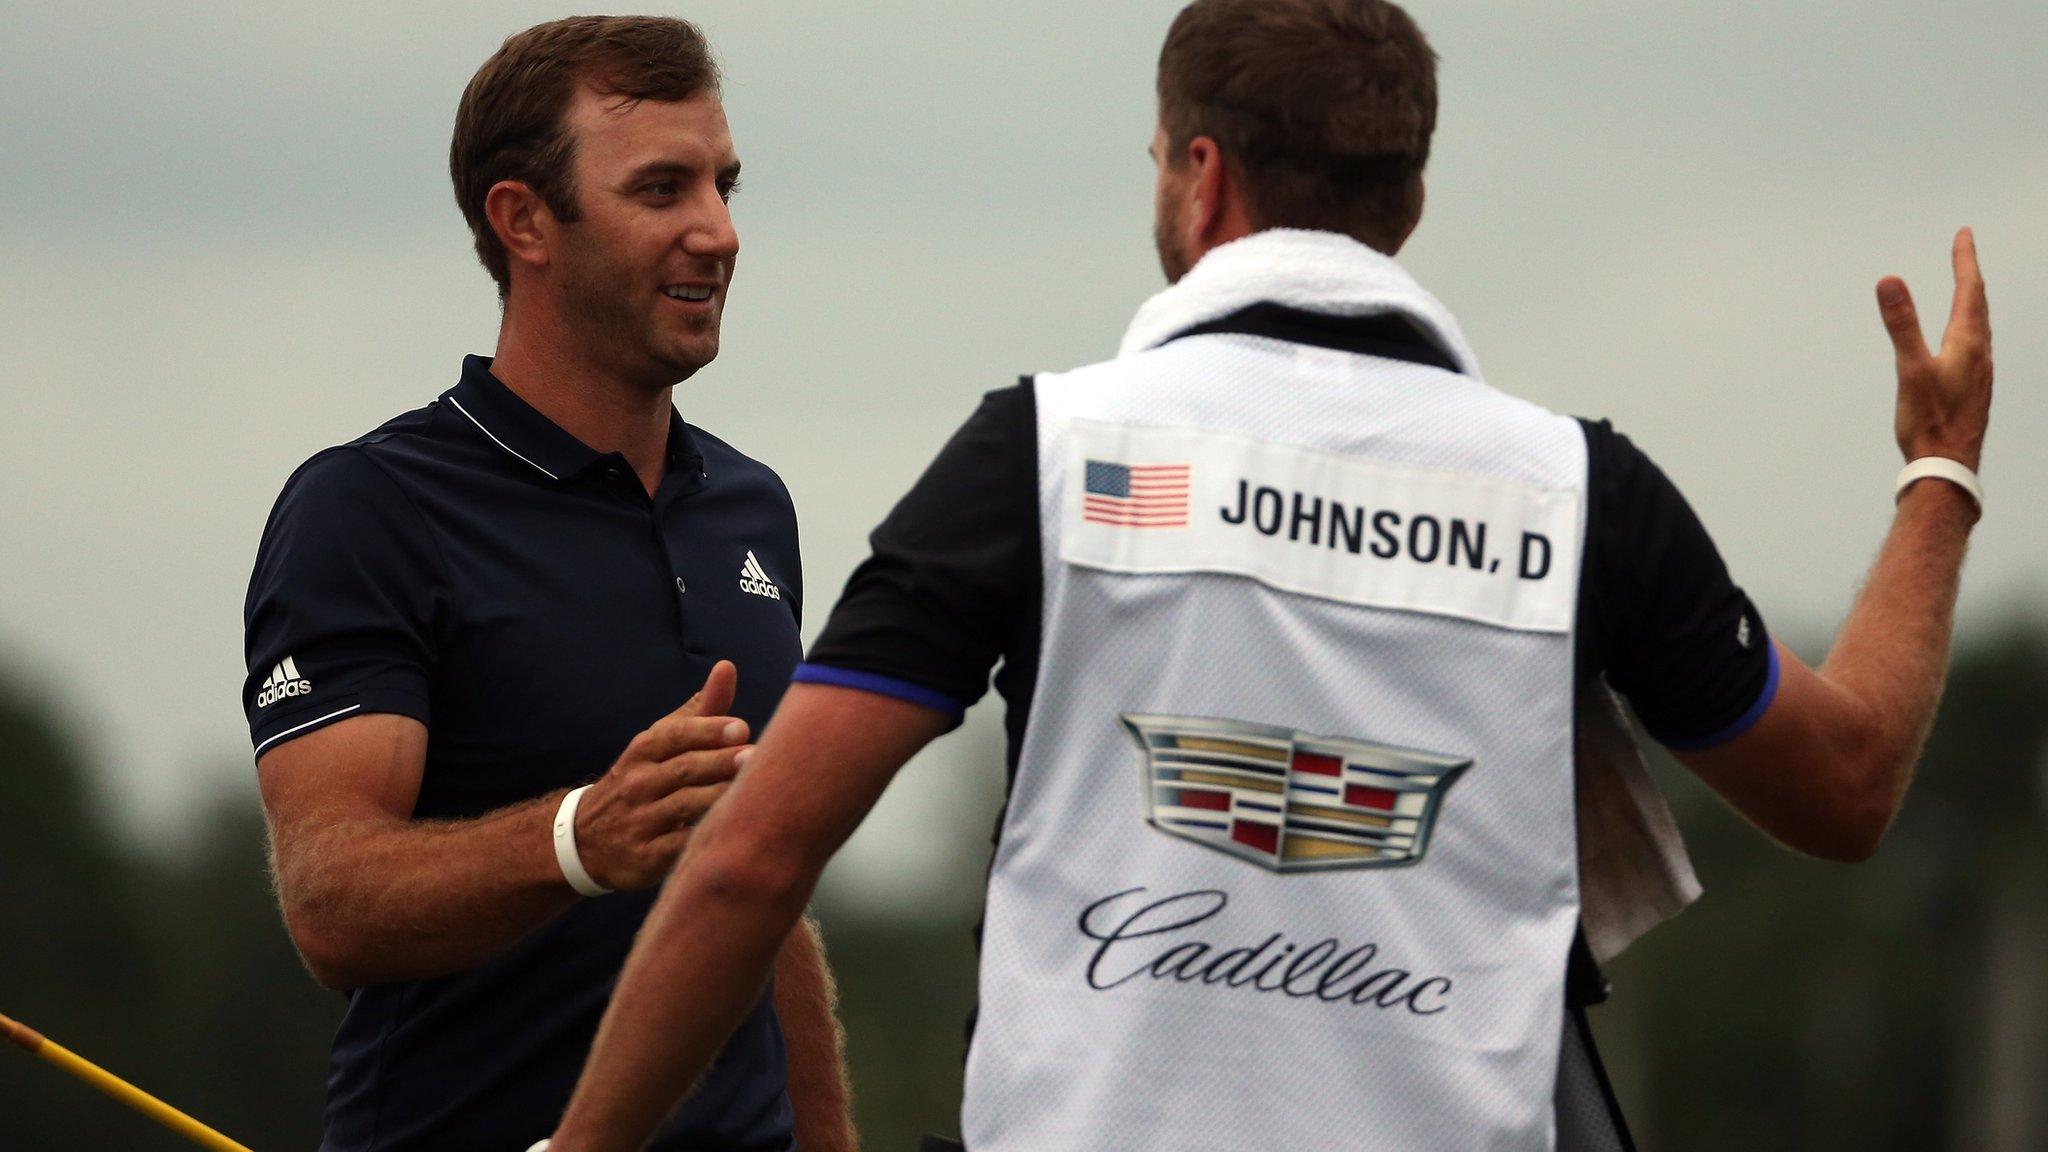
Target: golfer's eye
(727,189)
(662,189)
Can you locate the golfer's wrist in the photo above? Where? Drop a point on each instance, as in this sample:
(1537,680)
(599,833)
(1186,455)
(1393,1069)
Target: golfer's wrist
(570,852)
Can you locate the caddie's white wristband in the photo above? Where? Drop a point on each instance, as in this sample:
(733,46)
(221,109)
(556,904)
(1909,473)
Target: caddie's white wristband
(1941,468)
(566,855)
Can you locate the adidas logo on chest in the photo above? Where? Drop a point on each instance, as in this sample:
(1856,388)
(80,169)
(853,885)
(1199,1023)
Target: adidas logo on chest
(283,682)
(754,579)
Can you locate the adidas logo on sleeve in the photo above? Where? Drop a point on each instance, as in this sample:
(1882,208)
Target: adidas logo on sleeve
(284,681)
(754,579)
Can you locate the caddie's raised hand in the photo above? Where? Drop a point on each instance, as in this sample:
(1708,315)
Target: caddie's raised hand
(636,818)
(1944,398)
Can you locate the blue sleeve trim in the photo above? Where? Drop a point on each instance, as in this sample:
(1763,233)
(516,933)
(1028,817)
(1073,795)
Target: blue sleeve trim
(1744,722)
(880,685)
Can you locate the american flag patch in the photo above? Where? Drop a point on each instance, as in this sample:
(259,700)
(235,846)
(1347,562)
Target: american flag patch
(1135,495)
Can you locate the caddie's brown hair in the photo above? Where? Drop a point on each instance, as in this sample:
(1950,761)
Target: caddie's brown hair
(1325,106)
(509,124)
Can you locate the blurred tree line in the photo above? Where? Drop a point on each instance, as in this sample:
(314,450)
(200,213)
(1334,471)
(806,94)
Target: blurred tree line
(1899,1004)
(174,973)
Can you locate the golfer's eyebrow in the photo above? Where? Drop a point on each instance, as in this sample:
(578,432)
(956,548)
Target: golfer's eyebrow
(729,174)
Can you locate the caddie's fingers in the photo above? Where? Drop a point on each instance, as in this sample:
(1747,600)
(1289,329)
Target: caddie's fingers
(1895,304)
(675,735)
(1969,316)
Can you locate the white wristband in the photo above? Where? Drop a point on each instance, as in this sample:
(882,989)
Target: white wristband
(540,1147)
(565,847)
(1942,468)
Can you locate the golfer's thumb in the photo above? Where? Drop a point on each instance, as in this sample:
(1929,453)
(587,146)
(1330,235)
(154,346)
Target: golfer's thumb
(715,697)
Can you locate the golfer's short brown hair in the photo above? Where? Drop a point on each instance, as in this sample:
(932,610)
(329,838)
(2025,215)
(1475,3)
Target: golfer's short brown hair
(509,124)
(1325,106)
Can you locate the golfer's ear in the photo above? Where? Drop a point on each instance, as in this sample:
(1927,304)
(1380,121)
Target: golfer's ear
(519,216)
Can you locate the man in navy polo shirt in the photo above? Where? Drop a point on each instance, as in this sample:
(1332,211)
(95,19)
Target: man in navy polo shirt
(460,618)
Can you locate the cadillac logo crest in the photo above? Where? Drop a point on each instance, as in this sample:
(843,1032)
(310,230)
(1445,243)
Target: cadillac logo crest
(1287,800)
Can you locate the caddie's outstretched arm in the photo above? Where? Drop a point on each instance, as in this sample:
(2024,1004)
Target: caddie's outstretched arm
(1826,768)
(708,946)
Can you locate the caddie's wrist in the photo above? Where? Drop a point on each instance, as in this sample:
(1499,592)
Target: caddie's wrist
(1939,494)
(1941,484)
(1968,455)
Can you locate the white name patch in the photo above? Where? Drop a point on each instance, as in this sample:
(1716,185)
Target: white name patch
(1482,548)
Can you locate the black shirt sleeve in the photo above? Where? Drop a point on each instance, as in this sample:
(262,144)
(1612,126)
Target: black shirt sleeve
(342,605)
(952,585)
(1658,612)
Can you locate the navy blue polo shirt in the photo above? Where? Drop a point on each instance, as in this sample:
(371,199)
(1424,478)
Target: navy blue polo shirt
(473,566)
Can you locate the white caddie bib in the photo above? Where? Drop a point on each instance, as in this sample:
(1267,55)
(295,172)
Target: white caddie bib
(1289,858)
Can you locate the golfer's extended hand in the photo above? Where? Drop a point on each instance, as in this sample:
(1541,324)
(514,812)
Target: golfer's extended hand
(635,820)
(1945,399)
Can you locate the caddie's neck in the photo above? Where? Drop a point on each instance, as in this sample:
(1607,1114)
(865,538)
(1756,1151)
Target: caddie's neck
(563,374)
(1201,202)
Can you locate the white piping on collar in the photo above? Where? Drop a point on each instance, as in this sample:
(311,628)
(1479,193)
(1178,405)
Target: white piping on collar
(1320,272)
(494,438)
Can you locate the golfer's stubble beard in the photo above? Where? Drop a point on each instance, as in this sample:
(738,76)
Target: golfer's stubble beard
(603,303)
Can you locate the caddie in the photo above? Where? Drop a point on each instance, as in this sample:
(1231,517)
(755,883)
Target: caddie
(1292,611)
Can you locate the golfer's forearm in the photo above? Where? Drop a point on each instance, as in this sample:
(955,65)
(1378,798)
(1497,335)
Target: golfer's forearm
(806,1004)
(374,901)
(1891,655)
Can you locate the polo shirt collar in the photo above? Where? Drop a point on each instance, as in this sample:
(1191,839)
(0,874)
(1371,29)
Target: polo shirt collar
(483,401)
(1319,273)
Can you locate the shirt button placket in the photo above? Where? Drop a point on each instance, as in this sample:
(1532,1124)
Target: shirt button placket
(661,546)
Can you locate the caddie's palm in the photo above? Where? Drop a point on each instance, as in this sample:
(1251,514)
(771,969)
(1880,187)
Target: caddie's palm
(1944,399)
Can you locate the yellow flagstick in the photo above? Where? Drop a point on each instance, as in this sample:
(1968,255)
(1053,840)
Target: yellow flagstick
(118,1088)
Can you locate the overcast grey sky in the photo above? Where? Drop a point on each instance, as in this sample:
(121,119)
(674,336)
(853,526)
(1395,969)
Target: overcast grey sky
(226,241)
